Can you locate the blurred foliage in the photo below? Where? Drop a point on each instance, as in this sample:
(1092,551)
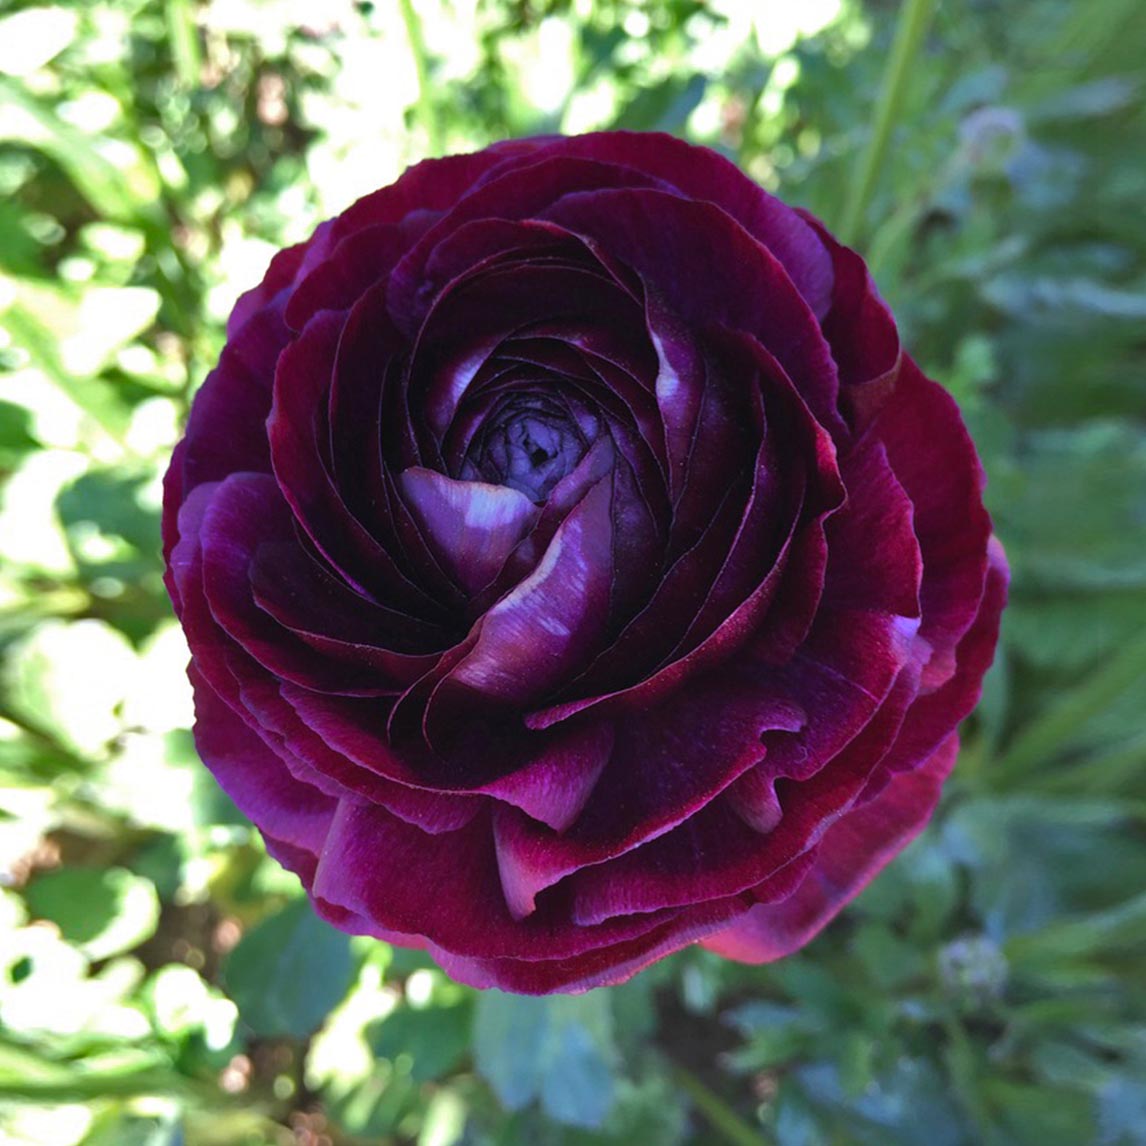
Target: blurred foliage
(161,982)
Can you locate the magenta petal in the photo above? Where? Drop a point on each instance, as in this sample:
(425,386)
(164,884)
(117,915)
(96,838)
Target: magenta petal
(251,774)
(717,851)
(844,670)
(289,584)
(777,604)
(174,494)
(428,188)
(236,394)
(755,799)
(861,331)
(309,756)
(454,899)
(258,699)
(521,192)
(935,714)
(603,966)
(549,778)
(295,428)
(543,631)
(874,558)
(699,173)
(852,853)
(685,874)
(935,461)
(665,767)
(472,526)
(554,786)
(358,262)
(710,271)
(246,512)
(281,274)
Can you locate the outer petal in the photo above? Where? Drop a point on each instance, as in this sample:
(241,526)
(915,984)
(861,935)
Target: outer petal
(455,900)
(936,713)
(225,431)
(862,333)
(263,789)
(852,853)
(699,173)
(665,767)
(934,460)
(600,967)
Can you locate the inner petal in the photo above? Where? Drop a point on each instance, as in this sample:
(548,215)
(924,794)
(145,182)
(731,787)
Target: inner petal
(529,446)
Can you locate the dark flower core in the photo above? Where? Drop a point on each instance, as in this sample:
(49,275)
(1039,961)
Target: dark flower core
(528,445)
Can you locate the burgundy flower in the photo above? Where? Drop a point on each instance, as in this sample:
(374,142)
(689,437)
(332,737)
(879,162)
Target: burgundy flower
(574,567)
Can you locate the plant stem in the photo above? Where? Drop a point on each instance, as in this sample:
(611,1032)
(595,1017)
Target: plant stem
(183,36)
(716,1112)
(914,19)
(427,109)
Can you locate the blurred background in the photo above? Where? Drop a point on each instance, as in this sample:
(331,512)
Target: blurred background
(162,982)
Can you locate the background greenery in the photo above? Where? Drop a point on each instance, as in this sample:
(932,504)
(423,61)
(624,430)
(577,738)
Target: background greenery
(161,982)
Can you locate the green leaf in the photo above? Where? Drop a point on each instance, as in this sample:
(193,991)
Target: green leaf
(1033,1121)
(1032,858)
(1052,298)
(16,438)
(1074,512)
(70,680)
(93,396)
(288,972)
(1060,724)
(663,107)
(103,912)
(435,1038)
(1069,631)
(557,1049)
(891,1110)
(79,154)
(1120,929)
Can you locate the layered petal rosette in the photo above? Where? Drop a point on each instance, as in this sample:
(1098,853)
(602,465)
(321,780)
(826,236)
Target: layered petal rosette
(575,567)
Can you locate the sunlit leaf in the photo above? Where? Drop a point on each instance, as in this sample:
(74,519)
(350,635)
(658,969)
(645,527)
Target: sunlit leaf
(288,972)
(103,911)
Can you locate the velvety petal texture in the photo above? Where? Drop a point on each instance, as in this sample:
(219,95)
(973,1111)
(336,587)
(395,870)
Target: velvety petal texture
(575,566)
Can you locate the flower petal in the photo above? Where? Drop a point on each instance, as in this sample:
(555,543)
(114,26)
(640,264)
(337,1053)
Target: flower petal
(852,853)
(472,526)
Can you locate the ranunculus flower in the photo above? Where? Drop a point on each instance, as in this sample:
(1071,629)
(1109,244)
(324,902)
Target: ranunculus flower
(574,566)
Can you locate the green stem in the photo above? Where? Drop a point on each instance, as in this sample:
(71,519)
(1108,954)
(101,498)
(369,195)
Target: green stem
(914,19)
(81,1088)
(183,36)
(716,1112)
(427,109)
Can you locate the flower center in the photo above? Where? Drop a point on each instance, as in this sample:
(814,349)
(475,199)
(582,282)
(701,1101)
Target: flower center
(530,445)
